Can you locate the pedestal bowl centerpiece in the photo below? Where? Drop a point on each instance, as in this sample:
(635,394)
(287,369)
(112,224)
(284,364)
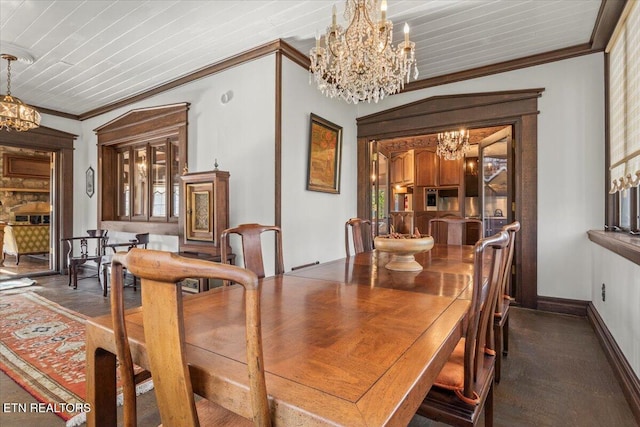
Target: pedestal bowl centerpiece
(402,249)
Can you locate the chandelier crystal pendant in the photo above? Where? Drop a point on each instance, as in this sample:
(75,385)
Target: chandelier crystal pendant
(359,63)
(14,114)
(453,145)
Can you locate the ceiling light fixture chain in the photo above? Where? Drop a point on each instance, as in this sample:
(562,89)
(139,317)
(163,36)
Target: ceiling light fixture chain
(359,63)
(453,145)
(14,114)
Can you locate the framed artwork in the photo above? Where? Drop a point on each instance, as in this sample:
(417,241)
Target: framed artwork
(325,149)
(90,184)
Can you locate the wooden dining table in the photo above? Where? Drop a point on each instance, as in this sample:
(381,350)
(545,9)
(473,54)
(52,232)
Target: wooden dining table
(345,342)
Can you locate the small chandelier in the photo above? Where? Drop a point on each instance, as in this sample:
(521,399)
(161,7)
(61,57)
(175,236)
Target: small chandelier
(14,114)
(453,145)
(358,63)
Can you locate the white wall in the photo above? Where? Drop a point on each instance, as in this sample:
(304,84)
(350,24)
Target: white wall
(313,222)
(619,310)
(240,134)
(570,161)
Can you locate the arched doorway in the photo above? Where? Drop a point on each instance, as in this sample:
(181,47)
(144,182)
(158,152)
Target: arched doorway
(518,109)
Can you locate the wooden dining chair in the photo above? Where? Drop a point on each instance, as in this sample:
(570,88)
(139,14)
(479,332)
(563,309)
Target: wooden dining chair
(252,246)
(360,230)
(464,387)
(164,335)
(455,231)
(501,316)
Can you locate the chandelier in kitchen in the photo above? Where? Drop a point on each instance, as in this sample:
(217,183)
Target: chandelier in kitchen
(453,145)
(14,114)
(359,63)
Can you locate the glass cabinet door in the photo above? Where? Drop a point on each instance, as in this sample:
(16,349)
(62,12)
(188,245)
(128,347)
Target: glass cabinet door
(140,189)
(159,181)
(124,185)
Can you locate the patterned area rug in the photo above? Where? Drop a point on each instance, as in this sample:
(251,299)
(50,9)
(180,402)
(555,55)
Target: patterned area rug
(42,348)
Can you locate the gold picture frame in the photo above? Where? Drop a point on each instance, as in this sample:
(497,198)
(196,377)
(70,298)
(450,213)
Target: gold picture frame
(325,155)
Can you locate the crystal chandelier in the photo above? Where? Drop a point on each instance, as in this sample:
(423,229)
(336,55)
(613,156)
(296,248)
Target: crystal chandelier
(14,114)
(453,145)
(359,63)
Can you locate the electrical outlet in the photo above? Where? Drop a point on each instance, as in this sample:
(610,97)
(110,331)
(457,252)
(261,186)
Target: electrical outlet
(604,292)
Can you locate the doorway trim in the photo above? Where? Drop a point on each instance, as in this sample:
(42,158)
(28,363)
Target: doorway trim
(442,113)
(60,144)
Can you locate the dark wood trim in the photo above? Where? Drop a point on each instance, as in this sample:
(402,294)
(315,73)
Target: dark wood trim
(278,141)
(563,306)
(608,16)
(223,65)
(61,145)
(502,67)
(624,373)
(51,112)
(623,244)
(293,54)
(510,108)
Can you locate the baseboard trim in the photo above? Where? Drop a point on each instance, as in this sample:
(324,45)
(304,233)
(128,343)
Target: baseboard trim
(626,376)
(564,306)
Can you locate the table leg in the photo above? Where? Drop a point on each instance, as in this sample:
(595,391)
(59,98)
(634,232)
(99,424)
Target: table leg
(101,385)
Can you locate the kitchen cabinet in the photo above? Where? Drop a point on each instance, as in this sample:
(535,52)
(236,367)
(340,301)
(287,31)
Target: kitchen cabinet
(450,172)
(426,168)
(432,171)
(402,165)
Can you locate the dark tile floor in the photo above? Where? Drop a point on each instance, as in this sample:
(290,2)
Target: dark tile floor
(556,373)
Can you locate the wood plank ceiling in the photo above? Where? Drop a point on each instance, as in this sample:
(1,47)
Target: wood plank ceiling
(88,54)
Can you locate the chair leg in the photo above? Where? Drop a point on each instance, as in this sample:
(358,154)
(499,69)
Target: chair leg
(498,347)
(69,270)
(505,337)
(75,277)
(104,281)
(488,408)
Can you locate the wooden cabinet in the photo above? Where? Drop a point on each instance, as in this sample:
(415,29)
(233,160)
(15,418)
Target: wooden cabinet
(205,211)
(451,172)
(426,168)
(402,165)
(432,171)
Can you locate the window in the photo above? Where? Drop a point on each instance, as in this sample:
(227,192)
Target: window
(141,157)
(624,121)
(143,194)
